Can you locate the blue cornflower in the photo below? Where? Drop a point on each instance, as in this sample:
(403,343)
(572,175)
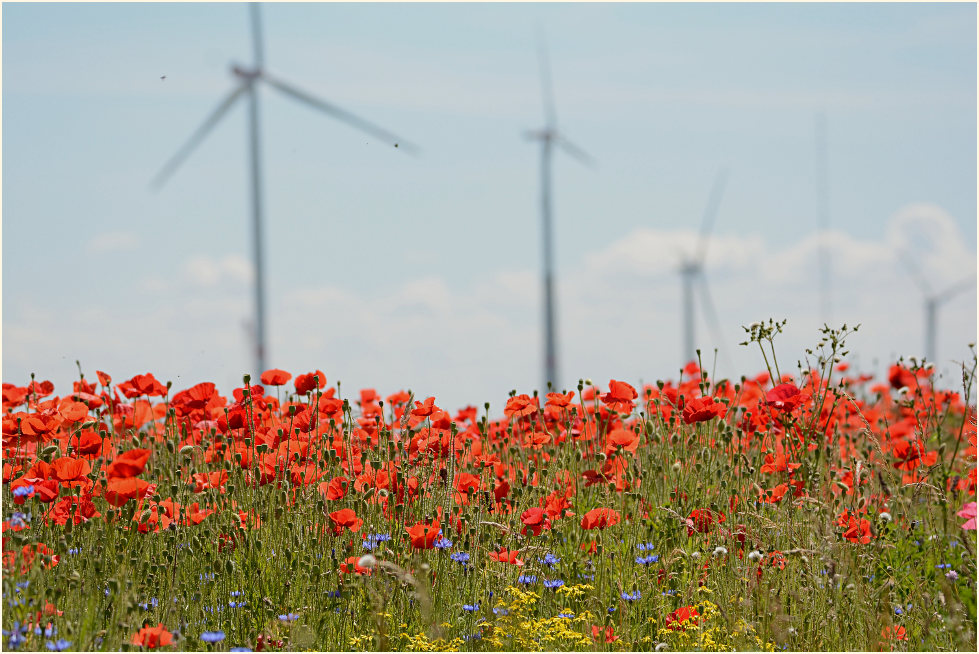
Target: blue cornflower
(584,576)
(643,547)
(553,583)
(49,631)
(234,605)
(379,538)
(501,611)
(236,593)
(565,615)
(146,605)
(897,610)
(631,597)
(470,607)
(21,584)
(668,593)
(333,593)
(212,636)
(550,560)
(460,557)
(443,543)
(239,649)
(207,576)
(16,635)
(475,636)
(611,609)
(941,566)
(24,491)
(646,560)
(59,645)
(74,550)
(527,579)
(19,519)
(289,617)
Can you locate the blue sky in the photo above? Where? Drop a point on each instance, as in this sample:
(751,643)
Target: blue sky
(395,271)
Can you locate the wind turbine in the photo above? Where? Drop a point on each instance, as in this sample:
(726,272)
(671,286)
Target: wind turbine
(932,303)
(822,218)
(247,85)
(691,271)
(549,137)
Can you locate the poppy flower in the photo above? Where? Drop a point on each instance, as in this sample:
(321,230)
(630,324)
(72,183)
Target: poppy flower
(969,513)
(104,378)
(702,521)
(778,463)
(67,468)
(424,409)
(559,400)
(702,409)
(911,454)
(152,637)
(352,564)
(309,381)
(535,519)
(423,536)
(142,385)
(857,529)
(608,634)
(620,396)
(784,397)
(120,490)
(901,377)
(682,616)
(128,464)
(275,377)
(506,556)
(520,406)
(624,438)
(893,633)
(600,518)
(345,518)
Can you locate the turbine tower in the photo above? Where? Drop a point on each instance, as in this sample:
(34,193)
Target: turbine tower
(691,271)
(247,79)
(822,219)
(550,137)
(933,301)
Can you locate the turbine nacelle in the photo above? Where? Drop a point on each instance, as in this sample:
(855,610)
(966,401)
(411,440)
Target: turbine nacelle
(247,74)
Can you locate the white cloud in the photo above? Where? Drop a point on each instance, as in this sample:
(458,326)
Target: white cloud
(206,271)
(109,242)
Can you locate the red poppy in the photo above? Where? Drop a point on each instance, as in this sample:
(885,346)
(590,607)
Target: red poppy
(66,469)
(702,409)
(120,490)
(152,637)
(519,406)
(911,454)
(893,633)
(423,536)
(679,618)
(535,519)
(784,397)
(345,518)
(466,483)
(559,400)
(778,463)
(600,518)
(142,385)
(506,556)
(104,378)
(128,464)
(620,396)
(275,377)
(309,381)
(352,564)
(608,634)
(901,377)
(624,438)
(424,409)
(858,530)
(702,521)
(72,411)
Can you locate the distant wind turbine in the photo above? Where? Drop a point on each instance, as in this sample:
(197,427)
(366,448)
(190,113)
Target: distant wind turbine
(932,303)
(692,272)
(822,218)
(246,85)
(550,137)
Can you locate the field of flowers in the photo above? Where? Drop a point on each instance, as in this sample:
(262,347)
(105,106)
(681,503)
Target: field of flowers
(801,509)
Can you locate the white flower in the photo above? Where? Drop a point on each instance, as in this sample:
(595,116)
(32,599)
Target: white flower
(720,551)
(367,561)
(755,555)
(885,516)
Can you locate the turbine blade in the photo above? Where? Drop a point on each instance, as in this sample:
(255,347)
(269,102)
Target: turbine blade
(546,87)
(916,274)
(340,114)
(713,323)
(710,213)
(257,36)
(197,137)
(954,290)
(576,152)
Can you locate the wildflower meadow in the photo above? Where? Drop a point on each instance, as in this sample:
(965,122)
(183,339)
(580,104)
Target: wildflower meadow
(808,507)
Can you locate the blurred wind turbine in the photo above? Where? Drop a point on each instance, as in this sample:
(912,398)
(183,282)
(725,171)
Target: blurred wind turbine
(550,137)
(692,272)
(932,303)
(822,218)
(246,85)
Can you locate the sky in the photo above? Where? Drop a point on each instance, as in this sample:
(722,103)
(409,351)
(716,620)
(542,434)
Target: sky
(393,271)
